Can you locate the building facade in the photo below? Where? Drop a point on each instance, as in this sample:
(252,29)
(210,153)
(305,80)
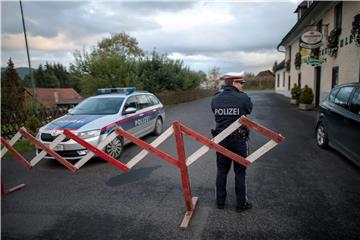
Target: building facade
(281,85)
(334,65)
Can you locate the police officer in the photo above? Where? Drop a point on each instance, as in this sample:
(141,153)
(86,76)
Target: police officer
(228,105)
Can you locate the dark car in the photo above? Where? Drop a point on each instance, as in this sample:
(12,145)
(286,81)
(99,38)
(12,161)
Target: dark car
(338,124)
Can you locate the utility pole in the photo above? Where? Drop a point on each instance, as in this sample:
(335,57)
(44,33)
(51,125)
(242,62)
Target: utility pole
(28,57)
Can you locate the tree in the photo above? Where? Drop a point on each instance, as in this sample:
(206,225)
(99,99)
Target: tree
(119,62)
(50,76)
(123,44)
(159,73)
(12,97)
(100,69)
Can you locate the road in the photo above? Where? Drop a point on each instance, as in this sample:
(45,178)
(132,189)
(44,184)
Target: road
(298,190)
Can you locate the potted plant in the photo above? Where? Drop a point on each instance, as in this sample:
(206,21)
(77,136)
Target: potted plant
(295,94)
(306,98)
(355,30)
(333,41)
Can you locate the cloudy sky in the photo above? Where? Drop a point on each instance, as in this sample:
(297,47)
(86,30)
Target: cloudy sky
(232,35)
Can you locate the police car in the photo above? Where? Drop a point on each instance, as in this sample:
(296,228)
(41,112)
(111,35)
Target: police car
(137,112)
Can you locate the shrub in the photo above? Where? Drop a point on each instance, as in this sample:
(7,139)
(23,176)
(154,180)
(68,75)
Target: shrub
(32,124)
(295,92)
(307,95)
(333,41)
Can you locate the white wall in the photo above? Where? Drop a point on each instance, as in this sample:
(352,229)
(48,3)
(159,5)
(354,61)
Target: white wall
(348,57)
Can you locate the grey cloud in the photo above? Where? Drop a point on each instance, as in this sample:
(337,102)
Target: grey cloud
(152,7)
(42,18)
(255,25)
(78,19)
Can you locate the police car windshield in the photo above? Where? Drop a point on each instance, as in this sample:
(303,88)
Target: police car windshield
(98,106)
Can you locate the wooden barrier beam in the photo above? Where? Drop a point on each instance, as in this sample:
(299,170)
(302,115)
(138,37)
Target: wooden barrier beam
(97,151)
(100,146)
(161,154)
(12,141)
(16,154)
(204,140)
(141,155)
(261,129)
(218,138)
(44,147)
(43,153)
(261,151)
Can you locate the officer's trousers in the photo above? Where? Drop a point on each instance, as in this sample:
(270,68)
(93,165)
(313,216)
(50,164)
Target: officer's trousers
(223,167)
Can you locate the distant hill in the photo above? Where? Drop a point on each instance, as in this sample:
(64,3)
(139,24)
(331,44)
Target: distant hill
(21,71)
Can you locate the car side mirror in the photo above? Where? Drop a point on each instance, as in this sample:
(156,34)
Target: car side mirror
(130,110)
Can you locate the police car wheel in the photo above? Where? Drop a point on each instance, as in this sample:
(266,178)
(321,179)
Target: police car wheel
(321,136)
(158,127)
(115,147)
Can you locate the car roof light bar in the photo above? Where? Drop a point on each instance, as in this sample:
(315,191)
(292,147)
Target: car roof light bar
(125,91)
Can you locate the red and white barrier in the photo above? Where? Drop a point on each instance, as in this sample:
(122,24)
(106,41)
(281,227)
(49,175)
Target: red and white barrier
(275,139)
(182,162)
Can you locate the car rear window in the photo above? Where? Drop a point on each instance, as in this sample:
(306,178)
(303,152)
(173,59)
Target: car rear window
(355,102)
(342,97)
(153,99)
(98,106)
(143,102)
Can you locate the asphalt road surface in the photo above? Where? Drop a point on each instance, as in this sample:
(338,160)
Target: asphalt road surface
(298,190)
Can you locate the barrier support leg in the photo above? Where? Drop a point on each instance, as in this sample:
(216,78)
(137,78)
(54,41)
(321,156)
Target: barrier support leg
(190,202)
(13,189)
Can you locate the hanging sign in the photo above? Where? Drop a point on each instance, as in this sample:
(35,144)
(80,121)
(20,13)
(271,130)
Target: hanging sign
(311,39)
(314,61)
(309,46)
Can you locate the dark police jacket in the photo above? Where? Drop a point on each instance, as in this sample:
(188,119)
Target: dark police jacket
(228,105)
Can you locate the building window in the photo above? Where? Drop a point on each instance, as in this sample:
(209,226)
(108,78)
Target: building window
(278,80)
(283,79)
(289,83)
(338,15)
(335,77)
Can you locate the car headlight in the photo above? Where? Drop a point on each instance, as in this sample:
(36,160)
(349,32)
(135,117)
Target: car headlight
(89,134)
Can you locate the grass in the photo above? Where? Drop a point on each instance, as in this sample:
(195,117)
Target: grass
(22,146)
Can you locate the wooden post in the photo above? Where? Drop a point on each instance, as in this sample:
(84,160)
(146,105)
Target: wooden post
(190,202)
